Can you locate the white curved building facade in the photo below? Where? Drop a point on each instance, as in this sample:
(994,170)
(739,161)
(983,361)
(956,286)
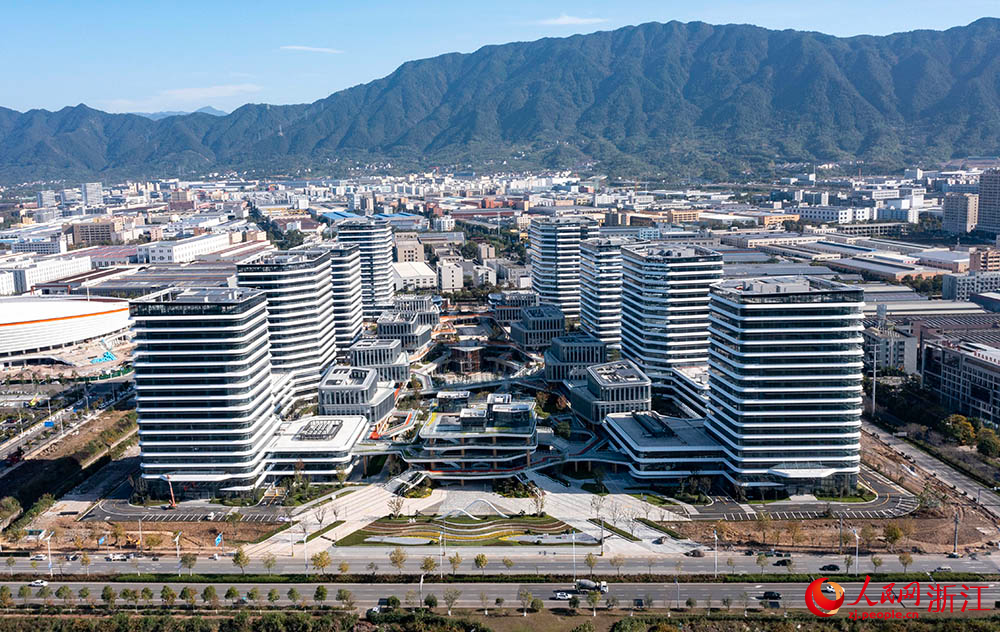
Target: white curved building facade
(34,325)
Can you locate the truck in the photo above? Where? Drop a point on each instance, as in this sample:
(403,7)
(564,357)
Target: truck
(585,585)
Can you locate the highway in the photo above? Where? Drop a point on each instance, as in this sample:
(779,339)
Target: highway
(557,560)
(657,595)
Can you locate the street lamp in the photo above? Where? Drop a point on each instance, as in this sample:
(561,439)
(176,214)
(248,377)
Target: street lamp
(715,534)
(857,559)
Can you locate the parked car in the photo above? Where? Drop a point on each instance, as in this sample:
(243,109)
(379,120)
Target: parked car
(695,553)
(942,569)
(829,568)
(213,556)
(954,556)
(71,557)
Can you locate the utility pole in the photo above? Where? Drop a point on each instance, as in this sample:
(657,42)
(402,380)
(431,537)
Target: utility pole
(955,547)
(840,540)
(715,534)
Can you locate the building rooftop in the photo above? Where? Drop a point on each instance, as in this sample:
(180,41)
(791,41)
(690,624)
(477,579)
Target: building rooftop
(541,312)
(376,343)
(649,430)
(348,376)
(617,373)
(321,434)
(781,285)
(16,310)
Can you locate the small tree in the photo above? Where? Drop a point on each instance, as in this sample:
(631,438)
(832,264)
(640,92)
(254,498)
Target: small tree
(611,602)
(731,563)
(320,595)
(188,561)
(591,562)
(905,559)
(10,562)
(64,593)
(210,597)
(507,563)
(431,601)
(346,598)
(480,561)
(892,534)
(254,595)
(876,562)
(451,598)
(24,592)
(429,564)
(168,596)
(321,561)
(189,596)
(395,504)
(85,563)
(617,561)
(691,603)
(761,562)
(147,595)
(343,567)
(848,561)
(524,596)
(455,561)
(727,603)
(538,500)
(232,595)
(270,561)
(574,602)
(241,560)
(593,598)
(45,594)
(108,596)
(397,557)
(293,595)
(84,594)
(272,596)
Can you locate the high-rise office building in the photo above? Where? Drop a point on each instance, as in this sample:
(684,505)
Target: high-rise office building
(961,212)
(203,388)
(555,260)
(299,313)
(93,193)
(374,240)
(664,322)
(46,198)
(345,277)
(785,382)
(989,201)
(601,289)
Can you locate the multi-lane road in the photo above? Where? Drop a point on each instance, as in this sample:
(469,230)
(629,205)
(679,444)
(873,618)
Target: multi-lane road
(740,595)
(556,560)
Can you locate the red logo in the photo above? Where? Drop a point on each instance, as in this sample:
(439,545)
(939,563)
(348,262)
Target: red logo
(818,603)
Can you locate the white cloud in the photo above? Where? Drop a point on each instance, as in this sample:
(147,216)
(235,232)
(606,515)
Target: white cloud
(311,49)
(570,20)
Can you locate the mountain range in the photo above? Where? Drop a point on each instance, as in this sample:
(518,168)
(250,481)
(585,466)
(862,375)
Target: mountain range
(156,116)
(687,99)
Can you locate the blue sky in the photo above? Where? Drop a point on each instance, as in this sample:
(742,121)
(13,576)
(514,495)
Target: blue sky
(181,55)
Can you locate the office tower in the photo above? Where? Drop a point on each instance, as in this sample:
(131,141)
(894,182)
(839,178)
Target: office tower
(345,277)
(961,212)
(785,369)
(374,240)
(93,193)
(299,313)
(203,388)
(601,289)
(555,260)
(46,198)
(665,307)
(989,201)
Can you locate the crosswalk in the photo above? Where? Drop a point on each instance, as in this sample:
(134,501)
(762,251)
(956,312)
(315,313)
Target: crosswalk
(201,517)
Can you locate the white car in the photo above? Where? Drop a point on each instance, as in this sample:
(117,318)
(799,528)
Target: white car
(562,596)
(38,558)
(39,583)
(827,588)
(213,556)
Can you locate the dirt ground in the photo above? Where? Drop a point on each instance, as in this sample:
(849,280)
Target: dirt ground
(928,530)
(195,536)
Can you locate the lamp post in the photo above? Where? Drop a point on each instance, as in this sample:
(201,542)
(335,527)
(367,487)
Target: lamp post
(715,534)
(857,559)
